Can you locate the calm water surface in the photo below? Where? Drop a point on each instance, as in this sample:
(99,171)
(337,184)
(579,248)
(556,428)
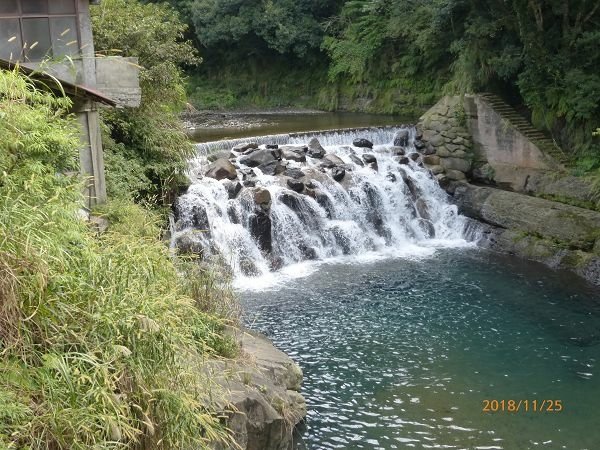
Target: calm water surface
(401,353)
(262,124)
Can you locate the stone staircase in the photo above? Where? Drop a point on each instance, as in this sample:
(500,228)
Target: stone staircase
(542,140)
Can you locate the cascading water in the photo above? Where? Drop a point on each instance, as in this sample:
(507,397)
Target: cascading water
(288,203)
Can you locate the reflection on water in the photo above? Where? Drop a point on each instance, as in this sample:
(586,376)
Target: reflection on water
(251,125)
(402,353)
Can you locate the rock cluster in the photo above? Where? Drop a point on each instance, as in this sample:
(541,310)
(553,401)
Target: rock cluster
(448,143)
(261,394)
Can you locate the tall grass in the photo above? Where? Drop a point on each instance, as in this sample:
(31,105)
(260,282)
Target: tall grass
(101,343)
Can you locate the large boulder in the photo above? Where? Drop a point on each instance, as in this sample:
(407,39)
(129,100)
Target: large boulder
(330,160)
(222,169)
(315,149)
(262,197)
(294,173)
(401,138)
(293,155)
(241,148)
(259,157)
(295,185)
(224,154)
(338,173)
(362,142)
(274,167)
(572,226)
(233,188)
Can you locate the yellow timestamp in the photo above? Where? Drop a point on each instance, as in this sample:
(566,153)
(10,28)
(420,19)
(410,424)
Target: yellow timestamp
(517,406)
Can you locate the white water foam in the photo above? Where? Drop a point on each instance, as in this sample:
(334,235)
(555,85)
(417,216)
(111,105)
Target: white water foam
(397,210)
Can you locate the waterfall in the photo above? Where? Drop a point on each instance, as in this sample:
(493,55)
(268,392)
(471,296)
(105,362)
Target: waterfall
(268,204)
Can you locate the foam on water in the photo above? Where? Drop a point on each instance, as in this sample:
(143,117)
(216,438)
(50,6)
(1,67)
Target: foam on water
(394,211)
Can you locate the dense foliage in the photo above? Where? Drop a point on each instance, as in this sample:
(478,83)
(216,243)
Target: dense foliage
(146,147)
(541,56)
(101,338)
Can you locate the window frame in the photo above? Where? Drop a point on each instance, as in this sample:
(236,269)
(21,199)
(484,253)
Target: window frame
(20,16)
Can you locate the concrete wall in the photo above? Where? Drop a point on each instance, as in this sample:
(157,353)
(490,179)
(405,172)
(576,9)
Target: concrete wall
(504,152)
(119,79)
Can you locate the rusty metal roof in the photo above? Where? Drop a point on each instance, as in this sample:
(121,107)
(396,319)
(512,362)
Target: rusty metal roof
(50,82)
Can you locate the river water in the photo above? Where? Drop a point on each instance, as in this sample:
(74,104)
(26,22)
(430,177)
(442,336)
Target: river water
(404,328)
(240,125)
(402,352)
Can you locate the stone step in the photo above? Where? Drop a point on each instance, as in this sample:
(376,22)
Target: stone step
(521,124)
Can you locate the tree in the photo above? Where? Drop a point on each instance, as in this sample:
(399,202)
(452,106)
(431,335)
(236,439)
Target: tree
(146,149)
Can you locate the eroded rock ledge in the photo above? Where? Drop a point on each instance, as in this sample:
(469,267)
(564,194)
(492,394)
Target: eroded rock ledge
(262,388)
(558,235)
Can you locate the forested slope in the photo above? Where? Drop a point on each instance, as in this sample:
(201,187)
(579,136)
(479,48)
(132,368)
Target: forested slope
(400,55)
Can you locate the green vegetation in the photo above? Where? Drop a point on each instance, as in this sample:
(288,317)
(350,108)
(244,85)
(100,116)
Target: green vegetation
(102,338)
(146,148)
(401,55)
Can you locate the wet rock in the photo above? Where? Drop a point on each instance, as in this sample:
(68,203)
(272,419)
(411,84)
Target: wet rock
(308,252)
(362,142)
(422,209)
(258,158)
(401,138)
(294,148)
(272,146)
(223,154)
(292,201)
(222,169)
(391,177)
(419,145)
(338,173)
(295,185)
(276,262)
(315,149)
(262,197)
(294,173)
(260,229)
(248,267)
(330,160)
(414,156)
(233,188)
(272,168)
(324,202)
(404,160)
(293,155)
(427,227)
(371,161)
(190,243)
(411,185)
(356,160)
(233,214)
(240,148)
(249,183)
(398,151)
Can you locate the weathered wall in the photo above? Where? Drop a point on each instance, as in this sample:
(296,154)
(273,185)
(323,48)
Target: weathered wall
(449,146)
(501,153)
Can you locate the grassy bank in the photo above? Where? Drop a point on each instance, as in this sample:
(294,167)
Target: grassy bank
(102,336)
